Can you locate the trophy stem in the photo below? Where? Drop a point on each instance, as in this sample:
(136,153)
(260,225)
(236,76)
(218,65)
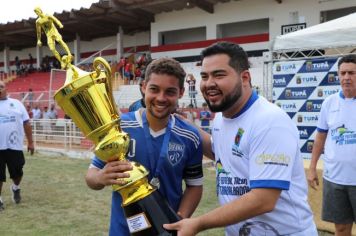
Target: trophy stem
(147,216)
(134,190)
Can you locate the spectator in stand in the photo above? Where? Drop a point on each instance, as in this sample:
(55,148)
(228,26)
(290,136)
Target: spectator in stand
(37,113)
(141,102)
(30,96)
(142,60)
(205,117)
(128,72)
(29,111)
(14,121)
(138,74)
(18,65)
(30,62)
(121,66)
(52,113)
(46,123)
(190,114)
(192,92)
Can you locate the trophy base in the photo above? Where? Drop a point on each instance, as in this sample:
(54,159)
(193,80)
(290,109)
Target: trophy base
(146,217)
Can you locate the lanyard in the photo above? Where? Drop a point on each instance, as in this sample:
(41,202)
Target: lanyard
(149,146)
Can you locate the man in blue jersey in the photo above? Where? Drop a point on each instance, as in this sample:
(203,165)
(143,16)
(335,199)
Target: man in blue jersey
(205,117)
(141,102)
(336,131)
(261,183)
(170,148)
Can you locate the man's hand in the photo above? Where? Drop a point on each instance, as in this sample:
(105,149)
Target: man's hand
(185,227)
(30,148)
(113,173)
(39,43)
(313,179)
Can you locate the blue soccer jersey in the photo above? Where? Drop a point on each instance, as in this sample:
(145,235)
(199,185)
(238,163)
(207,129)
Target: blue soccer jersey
(183,161)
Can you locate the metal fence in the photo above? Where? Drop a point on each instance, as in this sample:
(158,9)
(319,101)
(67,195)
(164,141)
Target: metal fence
(61,136)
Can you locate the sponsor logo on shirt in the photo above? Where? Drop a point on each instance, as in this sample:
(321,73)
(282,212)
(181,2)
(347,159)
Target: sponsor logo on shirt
(343,136)
(258,228)
(175,153)
(7,119)
(228,185)
(236,151)
(273,159)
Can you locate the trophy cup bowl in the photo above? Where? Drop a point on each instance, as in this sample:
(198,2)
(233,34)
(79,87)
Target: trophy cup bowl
(88,99)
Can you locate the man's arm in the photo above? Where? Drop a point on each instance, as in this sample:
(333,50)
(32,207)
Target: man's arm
(112,173)
(190,201)
(318,148)
(207,148)
(254,203)
(56,21)
(28,132)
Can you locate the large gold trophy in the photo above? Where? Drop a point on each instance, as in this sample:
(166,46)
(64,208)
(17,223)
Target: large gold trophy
(87,98)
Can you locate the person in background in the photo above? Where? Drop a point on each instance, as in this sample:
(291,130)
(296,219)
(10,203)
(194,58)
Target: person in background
(205,117)
(14,123)
(336,136)
(128,72)
(30,62)
(138,75)
(37,113)
(261,183)
(52,113)
(169,147)
(46,123)
(141,102)
(190,114)
(191,87)
(29,111)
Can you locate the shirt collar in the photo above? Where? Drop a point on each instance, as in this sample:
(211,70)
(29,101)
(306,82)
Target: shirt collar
(253,98)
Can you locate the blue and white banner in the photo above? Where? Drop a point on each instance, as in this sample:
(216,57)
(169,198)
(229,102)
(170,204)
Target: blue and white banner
(299,88)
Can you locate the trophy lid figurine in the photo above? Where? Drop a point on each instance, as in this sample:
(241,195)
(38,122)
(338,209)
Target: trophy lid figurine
(88,99)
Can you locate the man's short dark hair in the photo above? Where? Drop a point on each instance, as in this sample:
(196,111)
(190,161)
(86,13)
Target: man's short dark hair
(166,66)
(238,57)
(351,58)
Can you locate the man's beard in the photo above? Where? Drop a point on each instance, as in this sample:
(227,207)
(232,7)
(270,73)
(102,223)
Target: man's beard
(227,101)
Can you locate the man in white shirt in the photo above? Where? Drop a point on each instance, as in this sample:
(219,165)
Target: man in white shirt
(14,120)
(336,131)
(261,182)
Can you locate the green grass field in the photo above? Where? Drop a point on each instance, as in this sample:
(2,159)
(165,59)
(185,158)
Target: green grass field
(56,201)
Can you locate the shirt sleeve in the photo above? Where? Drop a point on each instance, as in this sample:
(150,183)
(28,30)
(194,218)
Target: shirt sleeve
(322,125)
(272,157)
(96,162)
(193,172)
(25,117)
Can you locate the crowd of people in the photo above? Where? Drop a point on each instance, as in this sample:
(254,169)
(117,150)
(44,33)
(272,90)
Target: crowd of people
(133,70)
(260,179)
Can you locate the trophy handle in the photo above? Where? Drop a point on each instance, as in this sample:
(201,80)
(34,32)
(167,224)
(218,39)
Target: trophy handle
(97,63)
